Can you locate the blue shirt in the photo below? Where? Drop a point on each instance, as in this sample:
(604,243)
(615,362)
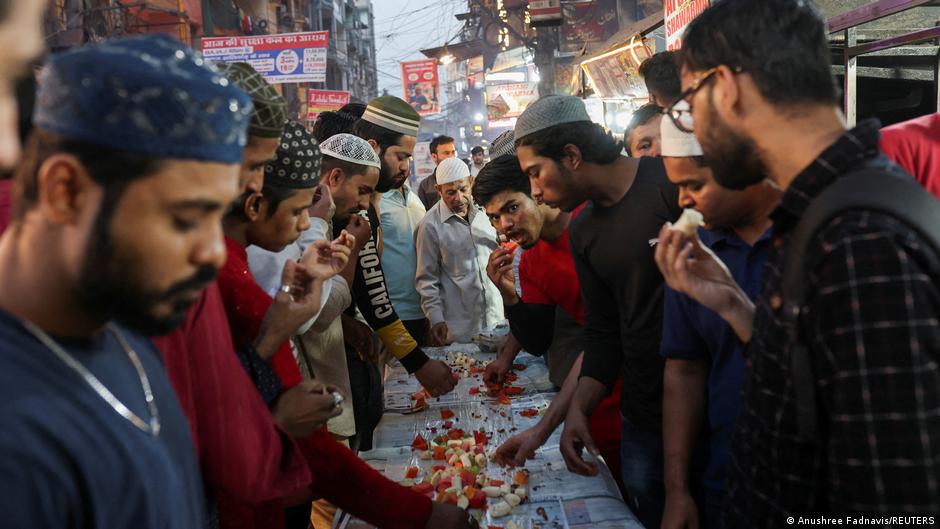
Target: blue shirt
(68,459)
(692,332)
(401,211)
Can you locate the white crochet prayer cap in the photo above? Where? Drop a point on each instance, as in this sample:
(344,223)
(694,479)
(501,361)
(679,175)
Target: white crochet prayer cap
(351,149)
(452,170)
(674,142)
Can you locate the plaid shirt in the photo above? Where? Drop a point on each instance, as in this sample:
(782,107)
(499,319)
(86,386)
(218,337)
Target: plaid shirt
(872,326)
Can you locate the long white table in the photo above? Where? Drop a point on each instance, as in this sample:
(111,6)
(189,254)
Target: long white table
(557,499)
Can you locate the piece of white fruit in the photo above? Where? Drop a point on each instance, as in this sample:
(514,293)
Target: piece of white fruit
(512,525)
(520,491)
(689,222)
(505,488)
(463,502)
(512,499)
(500,509)
(465,459)
(491,492)
(480,460)
(457,484)
(425,455)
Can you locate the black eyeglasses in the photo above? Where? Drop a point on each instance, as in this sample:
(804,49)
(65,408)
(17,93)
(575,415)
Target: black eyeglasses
(682,117)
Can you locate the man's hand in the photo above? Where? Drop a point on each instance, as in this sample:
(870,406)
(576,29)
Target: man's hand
(322,260)
(446,516)
(499,270)
(294,304)
(692,269)
(517,449)
(304,408)
(360,228)
(358,335)
(680,512)
(439,335)
(574,438)
(322,206)
(436,377)
(496,370)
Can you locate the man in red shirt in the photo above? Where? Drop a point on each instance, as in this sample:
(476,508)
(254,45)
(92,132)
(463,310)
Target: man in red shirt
(243,451)
(915,146)
(549,281)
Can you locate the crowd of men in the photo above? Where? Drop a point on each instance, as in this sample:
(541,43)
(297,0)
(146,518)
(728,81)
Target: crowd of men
(199,295)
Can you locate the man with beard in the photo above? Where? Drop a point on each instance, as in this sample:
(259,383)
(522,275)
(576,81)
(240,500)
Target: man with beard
(133,161)
(442,148)
(757,77)
(570,160)
(243,455)
(391,126)
(272,220)
(401,211)
(705,365)
(454,242)
(547,318)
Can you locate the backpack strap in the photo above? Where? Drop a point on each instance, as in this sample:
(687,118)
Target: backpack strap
(871,188)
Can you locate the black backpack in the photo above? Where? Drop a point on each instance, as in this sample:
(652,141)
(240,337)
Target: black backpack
(884,189)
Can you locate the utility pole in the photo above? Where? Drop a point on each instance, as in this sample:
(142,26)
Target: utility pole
(546,43)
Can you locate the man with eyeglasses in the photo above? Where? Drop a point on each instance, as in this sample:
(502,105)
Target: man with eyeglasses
(760,87)
(570,160)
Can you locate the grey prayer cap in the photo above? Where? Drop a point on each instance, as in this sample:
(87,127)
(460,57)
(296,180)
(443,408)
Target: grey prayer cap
(505,143)
(548,112)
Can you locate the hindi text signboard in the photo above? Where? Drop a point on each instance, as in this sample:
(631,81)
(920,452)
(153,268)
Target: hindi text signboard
(284,58)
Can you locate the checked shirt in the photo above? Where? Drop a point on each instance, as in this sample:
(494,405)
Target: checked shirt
(872,326)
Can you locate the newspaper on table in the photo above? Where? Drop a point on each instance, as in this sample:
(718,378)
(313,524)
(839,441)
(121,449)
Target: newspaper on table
(557,498)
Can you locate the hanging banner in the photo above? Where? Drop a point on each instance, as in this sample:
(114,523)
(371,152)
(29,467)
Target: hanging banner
(325,101)
(422,89)
(284,58)
(506,102)
(678,14)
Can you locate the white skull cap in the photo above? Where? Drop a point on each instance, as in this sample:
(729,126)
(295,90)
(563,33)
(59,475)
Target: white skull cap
(452,170)
(351,149)
(675,143)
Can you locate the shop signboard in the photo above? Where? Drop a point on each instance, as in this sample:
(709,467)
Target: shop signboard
(423,163)
(587,21)
(324,101)
(613,75)
(283,58)
(678,14)
(506,102)
(545,13)
(422,88)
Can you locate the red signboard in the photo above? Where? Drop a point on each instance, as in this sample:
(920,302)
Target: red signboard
(422,89)
(678,14)
(325,101)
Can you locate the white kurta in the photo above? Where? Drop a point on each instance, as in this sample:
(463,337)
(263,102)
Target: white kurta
(451,276)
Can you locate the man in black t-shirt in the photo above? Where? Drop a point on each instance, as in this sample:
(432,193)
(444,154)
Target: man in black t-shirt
(570,160)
